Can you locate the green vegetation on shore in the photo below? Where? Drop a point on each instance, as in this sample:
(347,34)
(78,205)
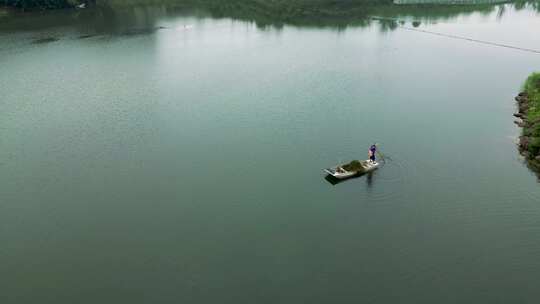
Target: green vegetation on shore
(529,112)
(532,89)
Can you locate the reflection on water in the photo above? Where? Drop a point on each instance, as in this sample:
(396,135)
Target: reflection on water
(369,179)
(122,17)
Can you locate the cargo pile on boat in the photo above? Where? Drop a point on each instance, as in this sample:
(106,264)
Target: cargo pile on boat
(354,166)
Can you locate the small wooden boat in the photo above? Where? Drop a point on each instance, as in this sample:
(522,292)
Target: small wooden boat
(354,168)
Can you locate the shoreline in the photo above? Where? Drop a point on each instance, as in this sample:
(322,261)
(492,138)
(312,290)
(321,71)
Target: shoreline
(529,121)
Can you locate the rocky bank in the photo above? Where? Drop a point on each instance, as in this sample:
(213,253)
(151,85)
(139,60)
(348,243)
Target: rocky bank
(529,140)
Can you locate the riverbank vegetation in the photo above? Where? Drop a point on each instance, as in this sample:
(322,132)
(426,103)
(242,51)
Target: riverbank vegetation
(529,112)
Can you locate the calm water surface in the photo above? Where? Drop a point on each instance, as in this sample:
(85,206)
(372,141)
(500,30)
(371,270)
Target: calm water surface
(151,155)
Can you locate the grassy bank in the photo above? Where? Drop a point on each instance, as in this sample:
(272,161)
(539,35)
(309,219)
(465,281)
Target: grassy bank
(529,112)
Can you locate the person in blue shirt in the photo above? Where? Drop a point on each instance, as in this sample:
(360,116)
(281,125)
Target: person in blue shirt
(372,152)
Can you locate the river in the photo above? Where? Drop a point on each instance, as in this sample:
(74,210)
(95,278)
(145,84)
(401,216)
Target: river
(158,154)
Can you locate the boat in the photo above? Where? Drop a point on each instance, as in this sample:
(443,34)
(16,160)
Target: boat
(352,169)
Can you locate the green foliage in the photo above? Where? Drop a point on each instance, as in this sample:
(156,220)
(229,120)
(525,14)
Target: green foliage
(534,146)
(532,84)
(532,88)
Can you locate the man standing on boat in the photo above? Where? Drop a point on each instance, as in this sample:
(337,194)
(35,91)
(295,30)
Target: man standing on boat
(372,152)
